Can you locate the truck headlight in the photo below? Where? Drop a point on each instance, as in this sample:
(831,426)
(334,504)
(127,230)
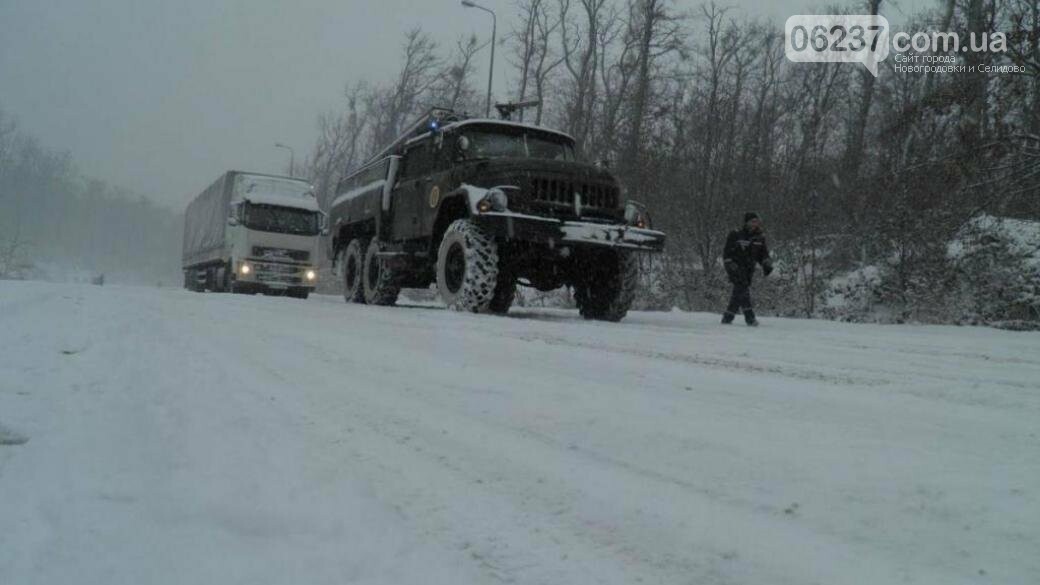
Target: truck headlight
(495,200)
(245,269)
(499,200)
(636,216)
(311,275)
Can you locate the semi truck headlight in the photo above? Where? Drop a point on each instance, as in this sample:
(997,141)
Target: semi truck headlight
(311,275)
(245,269)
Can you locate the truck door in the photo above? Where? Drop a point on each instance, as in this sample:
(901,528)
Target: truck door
(410,194)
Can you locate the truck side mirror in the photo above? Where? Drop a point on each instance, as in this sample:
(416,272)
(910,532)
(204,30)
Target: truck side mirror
(232,220)
(461,147)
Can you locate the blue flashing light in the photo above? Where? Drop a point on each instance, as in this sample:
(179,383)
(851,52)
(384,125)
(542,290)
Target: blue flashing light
(434,125)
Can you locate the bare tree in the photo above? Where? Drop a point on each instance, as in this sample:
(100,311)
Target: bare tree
(723,42)
(858,125)
(453,89)
(13,249)
(535,58)
(338,147)
(7,136)
(391,107)
(579,42)
(655,33)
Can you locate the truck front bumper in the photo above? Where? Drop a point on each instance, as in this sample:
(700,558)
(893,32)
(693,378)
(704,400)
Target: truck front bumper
(555,232)
(276,275)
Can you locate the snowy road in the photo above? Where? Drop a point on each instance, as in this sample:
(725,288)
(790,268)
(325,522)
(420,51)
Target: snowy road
(184,438)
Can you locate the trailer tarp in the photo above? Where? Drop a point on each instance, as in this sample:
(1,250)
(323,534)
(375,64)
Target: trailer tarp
(204,223)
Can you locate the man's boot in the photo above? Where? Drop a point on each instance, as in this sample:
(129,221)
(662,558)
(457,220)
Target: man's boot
(749,318)
(727,318)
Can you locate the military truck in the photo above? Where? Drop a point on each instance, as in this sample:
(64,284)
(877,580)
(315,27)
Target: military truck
(480,206)
(250,233)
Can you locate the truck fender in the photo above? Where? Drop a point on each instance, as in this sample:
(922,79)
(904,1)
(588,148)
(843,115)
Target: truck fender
(471,194)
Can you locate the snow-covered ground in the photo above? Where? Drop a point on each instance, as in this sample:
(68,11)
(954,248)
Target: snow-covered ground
(179,438)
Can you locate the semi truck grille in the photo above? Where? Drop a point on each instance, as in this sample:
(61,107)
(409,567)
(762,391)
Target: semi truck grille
(280,254)
(277,273)
(559,191)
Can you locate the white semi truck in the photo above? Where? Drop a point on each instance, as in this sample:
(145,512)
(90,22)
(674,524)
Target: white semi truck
(250,233)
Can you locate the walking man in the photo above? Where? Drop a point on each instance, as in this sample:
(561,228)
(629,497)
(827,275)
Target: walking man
(744,248)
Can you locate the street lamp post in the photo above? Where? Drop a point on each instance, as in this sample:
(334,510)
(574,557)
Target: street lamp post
(292,157)
(491,71)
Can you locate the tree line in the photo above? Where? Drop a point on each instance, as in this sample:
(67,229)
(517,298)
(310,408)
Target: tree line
(702,118)
(57,223)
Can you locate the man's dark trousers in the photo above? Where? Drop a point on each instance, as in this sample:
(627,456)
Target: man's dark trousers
(741,297)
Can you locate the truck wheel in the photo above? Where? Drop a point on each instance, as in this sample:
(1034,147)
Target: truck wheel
(606,292)
(505,292)
(352,264)
(467,268)
(377,279)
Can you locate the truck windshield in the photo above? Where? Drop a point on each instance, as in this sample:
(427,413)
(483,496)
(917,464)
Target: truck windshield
(488,144)
(284,220)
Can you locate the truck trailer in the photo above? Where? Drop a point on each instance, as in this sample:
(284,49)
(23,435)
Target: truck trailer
(252,232)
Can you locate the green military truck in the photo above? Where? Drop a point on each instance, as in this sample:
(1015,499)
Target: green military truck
(480,206)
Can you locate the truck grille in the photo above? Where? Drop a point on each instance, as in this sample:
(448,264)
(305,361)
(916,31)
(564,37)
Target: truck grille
(277,273)
(559,191)
(280,254)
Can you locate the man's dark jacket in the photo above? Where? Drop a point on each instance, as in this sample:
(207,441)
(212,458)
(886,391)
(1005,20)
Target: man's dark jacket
(743,250)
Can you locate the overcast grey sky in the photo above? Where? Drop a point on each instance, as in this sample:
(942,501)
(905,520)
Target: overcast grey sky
(161,96)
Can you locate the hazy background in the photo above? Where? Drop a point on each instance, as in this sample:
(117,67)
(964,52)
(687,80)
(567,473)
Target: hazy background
(160,97)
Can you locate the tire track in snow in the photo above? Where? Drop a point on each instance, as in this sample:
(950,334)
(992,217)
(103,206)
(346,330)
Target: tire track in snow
(542,497)
(731,365)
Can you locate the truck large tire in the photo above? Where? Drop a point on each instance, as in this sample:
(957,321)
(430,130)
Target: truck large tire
(607,290)
(352,264)
(225,277)
(192,281)
(377,279)
(467,268)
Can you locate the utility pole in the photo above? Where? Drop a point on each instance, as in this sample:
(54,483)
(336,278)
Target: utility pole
(494,30)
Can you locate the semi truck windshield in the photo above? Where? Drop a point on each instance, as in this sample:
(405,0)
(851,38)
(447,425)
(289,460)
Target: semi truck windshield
(285,220)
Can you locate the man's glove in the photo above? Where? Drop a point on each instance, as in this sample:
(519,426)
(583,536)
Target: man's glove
(767,268)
